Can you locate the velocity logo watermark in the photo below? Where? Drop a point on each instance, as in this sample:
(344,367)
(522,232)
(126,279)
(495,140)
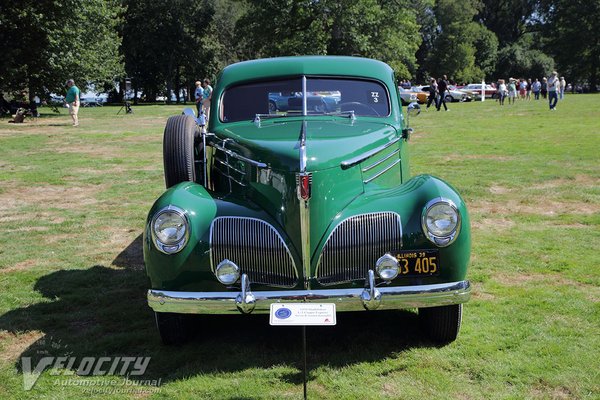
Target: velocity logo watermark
(84,366)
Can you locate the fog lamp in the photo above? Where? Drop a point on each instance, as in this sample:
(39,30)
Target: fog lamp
(227,272)
(387,267)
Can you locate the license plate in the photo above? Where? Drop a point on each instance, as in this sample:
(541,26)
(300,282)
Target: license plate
(418,262)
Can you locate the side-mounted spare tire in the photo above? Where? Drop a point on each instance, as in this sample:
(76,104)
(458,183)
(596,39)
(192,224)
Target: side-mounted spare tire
(178,150)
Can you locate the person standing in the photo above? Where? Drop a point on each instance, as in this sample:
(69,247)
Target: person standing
(563,87)
(512,91)
(72,100)
(207,97)
(442,88)
(433,93)
(535,88)
(198,96)
(522,88)
(544,89)
(529,84)
(553,88)
(501,91)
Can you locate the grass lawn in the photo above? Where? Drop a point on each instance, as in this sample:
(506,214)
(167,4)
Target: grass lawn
(72,207)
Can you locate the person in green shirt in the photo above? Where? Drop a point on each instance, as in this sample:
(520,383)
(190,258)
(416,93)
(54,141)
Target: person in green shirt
(72,99)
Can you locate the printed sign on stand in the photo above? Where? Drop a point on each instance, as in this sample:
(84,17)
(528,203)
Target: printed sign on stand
(302,314)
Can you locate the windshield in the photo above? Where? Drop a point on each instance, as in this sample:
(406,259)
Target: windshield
(285,97)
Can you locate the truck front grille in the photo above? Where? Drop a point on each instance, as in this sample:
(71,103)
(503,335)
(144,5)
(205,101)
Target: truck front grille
(356,244)
(256,247)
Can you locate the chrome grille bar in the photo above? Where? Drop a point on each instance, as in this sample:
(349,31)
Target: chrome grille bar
(355,245)
(256,247)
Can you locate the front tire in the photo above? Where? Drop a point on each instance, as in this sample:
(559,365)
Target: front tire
(178,150)
(442,324)
(173,328)
(448,98)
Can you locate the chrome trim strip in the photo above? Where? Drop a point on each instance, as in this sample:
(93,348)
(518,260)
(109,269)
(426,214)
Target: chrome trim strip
(370,167)
(397,297)
(240,157)
(392,165)
(225,163)
(226,175)
(304,97)
(304,207)
(360,158)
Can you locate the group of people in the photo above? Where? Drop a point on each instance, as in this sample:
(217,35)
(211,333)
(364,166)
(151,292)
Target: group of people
(552,88)
(437,92)
(203,96)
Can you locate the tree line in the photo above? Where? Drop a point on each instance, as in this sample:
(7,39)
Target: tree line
(166,45)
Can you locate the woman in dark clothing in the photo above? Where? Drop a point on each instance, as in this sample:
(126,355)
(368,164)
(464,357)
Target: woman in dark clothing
(442,88)
(433,92)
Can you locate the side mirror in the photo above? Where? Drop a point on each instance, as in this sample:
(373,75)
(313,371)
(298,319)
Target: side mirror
(413,109)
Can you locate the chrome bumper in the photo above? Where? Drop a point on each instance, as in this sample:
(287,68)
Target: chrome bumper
(370,298)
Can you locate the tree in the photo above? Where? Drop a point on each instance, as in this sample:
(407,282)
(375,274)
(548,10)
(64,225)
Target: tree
(520,61)
(509,19)
(163,44)
(376,29)
(571,29)
(454,51)
(49,42)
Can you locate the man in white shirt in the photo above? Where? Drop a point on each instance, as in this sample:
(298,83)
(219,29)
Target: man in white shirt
(553,87)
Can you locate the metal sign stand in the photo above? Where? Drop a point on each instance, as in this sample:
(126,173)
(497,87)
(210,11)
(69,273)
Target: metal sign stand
(305,365)
(303,314)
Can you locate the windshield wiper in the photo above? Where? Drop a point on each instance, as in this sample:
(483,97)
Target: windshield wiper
(350,113)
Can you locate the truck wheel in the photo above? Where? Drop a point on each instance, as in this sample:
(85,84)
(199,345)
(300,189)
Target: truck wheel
(178,150)
(442,324)
(173,328)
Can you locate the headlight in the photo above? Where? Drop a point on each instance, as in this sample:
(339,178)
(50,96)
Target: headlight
(170,229)
(387,267)
(227,272)
(441,221)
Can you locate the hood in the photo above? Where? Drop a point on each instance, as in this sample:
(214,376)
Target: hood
(328,142)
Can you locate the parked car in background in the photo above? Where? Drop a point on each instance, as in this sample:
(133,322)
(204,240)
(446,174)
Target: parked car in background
(310,206)
(450,95)
(474,89)
(422,95)
(407,96)
(290,101)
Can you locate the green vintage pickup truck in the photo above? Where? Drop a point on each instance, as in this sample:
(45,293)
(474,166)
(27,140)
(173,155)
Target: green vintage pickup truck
(311,201)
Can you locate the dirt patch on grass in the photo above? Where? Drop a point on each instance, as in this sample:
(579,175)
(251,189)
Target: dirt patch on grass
(16,344)
(528,279)
(498,224)
(21,266)
(478,292)
(491,157)
(579,181)
(68,198)
(544,207)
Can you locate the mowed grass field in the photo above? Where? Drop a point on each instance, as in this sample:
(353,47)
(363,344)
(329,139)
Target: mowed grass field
(72,207)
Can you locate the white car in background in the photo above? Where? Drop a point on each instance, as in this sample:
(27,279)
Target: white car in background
(451,95)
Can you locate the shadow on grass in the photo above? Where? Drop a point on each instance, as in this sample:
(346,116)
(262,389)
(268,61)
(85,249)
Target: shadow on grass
(102,312)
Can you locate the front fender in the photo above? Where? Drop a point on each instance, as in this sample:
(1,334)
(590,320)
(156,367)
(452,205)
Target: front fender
(166,270)
(408,200)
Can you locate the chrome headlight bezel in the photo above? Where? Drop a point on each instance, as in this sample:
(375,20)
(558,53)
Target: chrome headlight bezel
(446,238)
(178,245)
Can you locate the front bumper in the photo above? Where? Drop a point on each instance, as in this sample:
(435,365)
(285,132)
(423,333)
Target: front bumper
(370,298)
